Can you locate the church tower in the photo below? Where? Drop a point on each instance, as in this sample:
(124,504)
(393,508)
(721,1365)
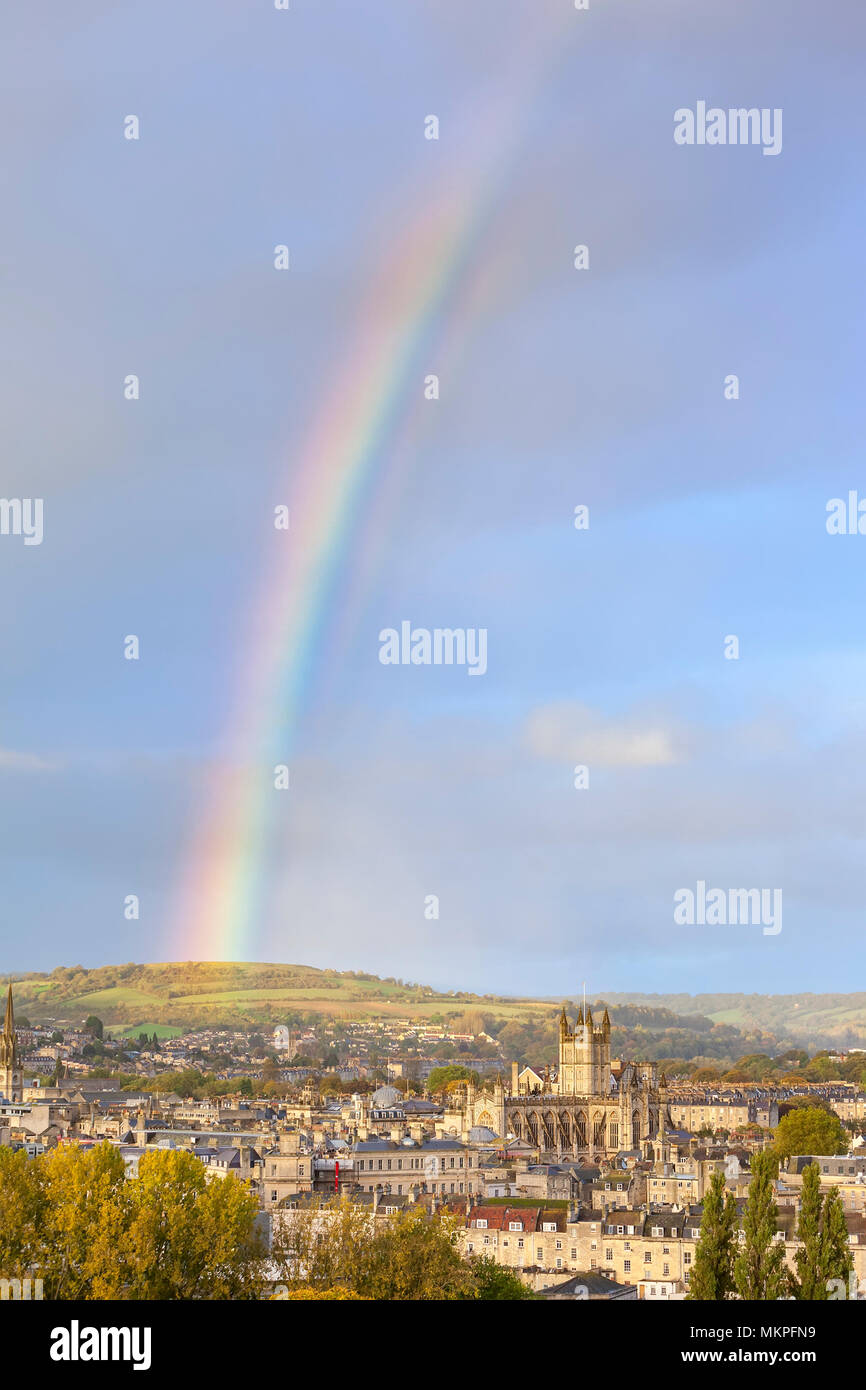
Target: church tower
(10,1062)
(584,1056)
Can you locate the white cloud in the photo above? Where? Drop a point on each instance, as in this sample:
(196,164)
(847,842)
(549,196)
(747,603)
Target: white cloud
(571,731)
(24,762)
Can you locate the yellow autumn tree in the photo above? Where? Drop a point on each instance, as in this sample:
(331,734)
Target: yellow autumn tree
(72,1218)
(22,1210)
(84,1217)
(190,1237)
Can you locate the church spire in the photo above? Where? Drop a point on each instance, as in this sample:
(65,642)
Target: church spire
(10,1079)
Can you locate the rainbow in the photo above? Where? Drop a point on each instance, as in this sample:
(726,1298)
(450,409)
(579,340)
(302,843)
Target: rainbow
(343,490)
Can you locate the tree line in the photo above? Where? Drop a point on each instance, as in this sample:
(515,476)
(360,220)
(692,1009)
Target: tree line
(72,1218)
(752,1265)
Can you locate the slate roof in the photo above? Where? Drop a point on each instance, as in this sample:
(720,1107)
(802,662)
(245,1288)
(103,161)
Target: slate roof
(597,1284)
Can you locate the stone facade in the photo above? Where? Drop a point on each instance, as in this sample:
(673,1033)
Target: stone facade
(587,1109)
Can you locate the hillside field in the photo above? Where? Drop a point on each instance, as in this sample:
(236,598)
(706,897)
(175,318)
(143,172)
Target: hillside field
(189,994)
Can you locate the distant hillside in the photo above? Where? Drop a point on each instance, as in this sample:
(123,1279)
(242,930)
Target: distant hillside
(189,994)
(195,993)
(822,1020)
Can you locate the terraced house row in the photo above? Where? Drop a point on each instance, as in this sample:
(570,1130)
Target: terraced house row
(653,1250)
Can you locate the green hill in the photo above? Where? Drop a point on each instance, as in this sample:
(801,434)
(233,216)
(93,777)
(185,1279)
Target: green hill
(190,994)
(816,1020)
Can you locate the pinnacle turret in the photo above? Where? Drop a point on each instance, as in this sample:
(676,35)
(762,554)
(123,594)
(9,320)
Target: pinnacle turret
(10,1081)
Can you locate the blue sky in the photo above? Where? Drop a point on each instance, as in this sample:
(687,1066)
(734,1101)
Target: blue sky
(604,387)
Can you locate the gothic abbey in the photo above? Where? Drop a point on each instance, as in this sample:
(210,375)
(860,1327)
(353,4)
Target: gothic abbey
(589,1108)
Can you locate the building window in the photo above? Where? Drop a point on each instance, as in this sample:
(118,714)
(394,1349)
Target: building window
(647,1257)
(627,1266)
(608,1254)
(515,1226)
(666,1269)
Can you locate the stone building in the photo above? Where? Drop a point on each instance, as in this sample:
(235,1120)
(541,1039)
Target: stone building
(587,1109)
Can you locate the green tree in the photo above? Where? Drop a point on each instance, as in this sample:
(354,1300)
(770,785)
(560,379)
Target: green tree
(713,1271)
(810,1130)
(811,1281)
(491,1280)
(441,1076)
(94,1025)
(416,1257)
(836,1258)
(759,1269)
(408,1256)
